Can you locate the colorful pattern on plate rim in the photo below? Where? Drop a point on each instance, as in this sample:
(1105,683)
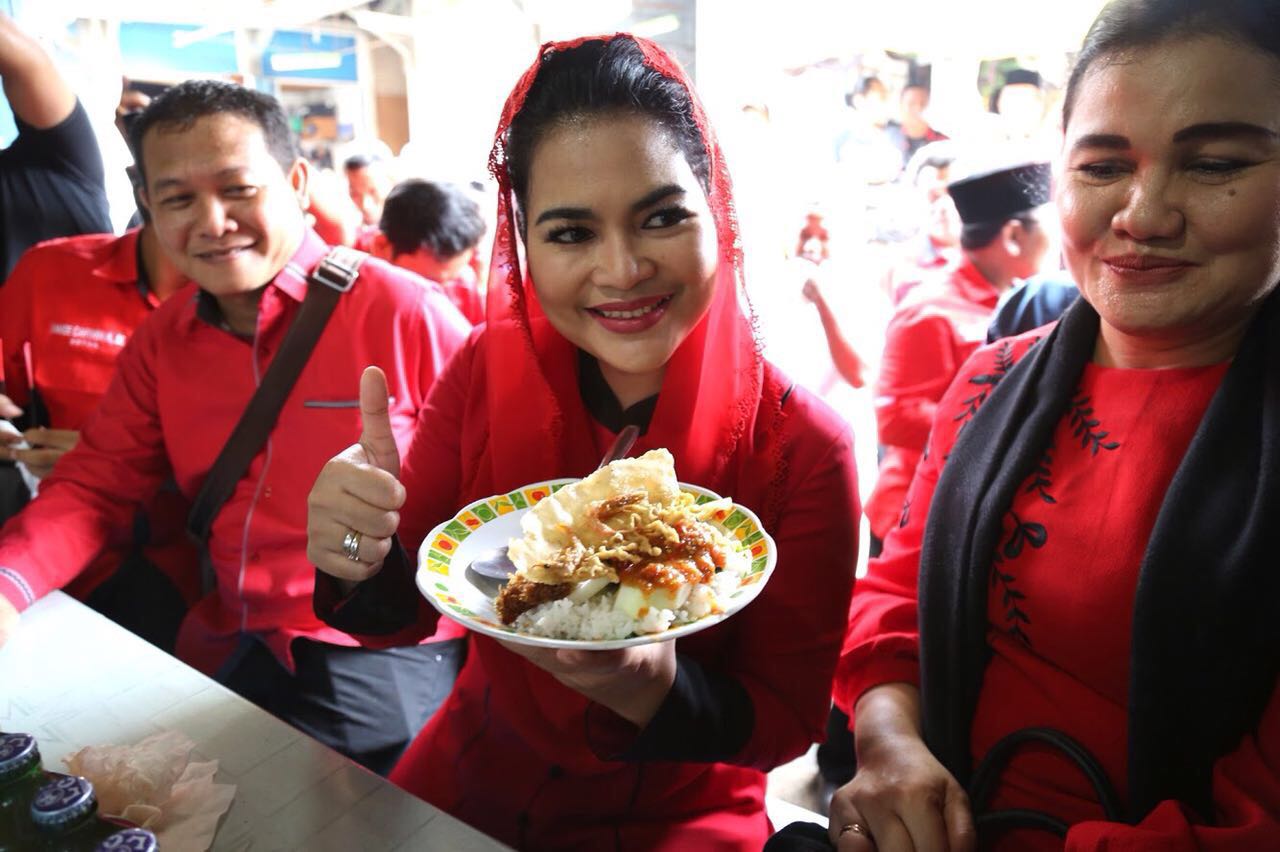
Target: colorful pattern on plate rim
(476,515)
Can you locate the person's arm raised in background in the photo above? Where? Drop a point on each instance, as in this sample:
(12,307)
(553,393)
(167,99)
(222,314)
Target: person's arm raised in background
(38,94)
(847,361)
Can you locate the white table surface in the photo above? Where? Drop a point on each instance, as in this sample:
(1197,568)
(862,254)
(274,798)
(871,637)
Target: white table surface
(71,678)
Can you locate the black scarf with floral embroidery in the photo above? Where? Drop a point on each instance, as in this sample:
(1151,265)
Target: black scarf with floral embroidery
(1206,622)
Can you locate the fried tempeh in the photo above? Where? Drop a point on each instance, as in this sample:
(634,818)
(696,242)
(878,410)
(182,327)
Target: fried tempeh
(519,596)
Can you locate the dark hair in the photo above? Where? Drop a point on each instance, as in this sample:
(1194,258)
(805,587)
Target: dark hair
(180,107)
(439,216)
(1129,24)
(598,77)
(979,235)
(359,161)
(866,84)
(1013,77)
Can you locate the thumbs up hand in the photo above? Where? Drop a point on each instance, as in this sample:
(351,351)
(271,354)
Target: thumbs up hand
(353,508)
(376,437)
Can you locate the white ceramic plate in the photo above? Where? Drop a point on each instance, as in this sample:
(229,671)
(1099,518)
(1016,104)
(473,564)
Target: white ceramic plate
(489,524)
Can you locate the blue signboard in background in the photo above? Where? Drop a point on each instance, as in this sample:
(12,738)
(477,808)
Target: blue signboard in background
(311,56)
(149,51)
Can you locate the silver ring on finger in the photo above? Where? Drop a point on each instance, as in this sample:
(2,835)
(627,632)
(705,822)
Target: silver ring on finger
(351,545)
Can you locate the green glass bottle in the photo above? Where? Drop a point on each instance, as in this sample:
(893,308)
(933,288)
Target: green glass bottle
(64,813)
(21,774)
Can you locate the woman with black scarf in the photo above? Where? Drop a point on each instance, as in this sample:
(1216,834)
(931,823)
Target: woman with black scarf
(1075,630)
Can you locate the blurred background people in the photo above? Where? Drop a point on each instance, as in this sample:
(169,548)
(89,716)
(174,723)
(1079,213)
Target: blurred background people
(911,130)
(435,229)
(367,183)
(1019,101)
(1006,236)
(870,151)
(937,239)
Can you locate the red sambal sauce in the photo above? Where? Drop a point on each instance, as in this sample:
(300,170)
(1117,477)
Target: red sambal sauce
(694,560)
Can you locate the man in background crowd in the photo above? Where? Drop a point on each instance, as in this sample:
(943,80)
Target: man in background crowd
(1019,101)
(367,181)
(1006,235)
(936,244)
(911,130)
(434,229)
(51,177)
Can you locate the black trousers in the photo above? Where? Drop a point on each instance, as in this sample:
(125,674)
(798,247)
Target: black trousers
(13,491)
(367,704)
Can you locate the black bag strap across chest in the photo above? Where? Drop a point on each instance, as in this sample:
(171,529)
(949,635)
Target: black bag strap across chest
(334,275)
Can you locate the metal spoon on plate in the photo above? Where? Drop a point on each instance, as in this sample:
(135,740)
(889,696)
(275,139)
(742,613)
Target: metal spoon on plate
(496,565)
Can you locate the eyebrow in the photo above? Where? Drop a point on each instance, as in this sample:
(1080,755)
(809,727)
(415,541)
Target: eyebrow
(1110,141)
(165,183)
(650,198)
(1223,129)
(1194,133)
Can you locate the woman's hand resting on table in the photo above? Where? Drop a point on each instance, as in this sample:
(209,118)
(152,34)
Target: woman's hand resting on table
(902,799)
(632,682)
(358,491)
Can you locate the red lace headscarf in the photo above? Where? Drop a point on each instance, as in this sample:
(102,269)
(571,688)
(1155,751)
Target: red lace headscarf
(713,388)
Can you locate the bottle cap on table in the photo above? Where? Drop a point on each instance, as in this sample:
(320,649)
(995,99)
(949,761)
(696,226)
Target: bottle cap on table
(18,753)
(63,801)
(129,840)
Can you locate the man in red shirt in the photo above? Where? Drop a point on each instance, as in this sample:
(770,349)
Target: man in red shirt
(66,313)
(226,195)
(942,321)
(434,229)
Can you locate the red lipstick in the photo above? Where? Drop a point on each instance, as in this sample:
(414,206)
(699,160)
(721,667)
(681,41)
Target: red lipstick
(632,316)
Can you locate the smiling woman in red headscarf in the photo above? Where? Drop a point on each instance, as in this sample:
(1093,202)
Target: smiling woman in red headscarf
(629,308)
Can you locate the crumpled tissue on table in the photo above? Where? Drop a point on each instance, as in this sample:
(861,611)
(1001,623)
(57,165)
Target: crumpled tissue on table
(28,478)
(155,785)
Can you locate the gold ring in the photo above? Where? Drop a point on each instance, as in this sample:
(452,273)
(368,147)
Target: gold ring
(855,828)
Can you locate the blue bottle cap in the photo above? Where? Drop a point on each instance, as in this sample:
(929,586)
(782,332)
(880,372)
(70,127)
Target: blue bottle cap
(63,801)
(129,840)
(17,753)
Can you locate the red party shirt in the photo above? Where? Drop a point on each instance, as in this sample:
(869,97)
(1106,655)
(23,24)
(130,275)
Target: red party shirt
(939,325)
(66,312)
(181,385)
(1061,603)
(68,309)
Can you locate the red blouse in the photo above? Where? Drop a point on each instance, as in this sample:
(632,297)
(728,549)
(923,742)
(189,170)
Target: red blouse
(534,764)
(1061,602)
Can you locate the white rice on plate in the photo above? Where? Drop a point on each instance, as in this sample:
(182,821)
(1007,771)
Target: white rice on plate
(597,619)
